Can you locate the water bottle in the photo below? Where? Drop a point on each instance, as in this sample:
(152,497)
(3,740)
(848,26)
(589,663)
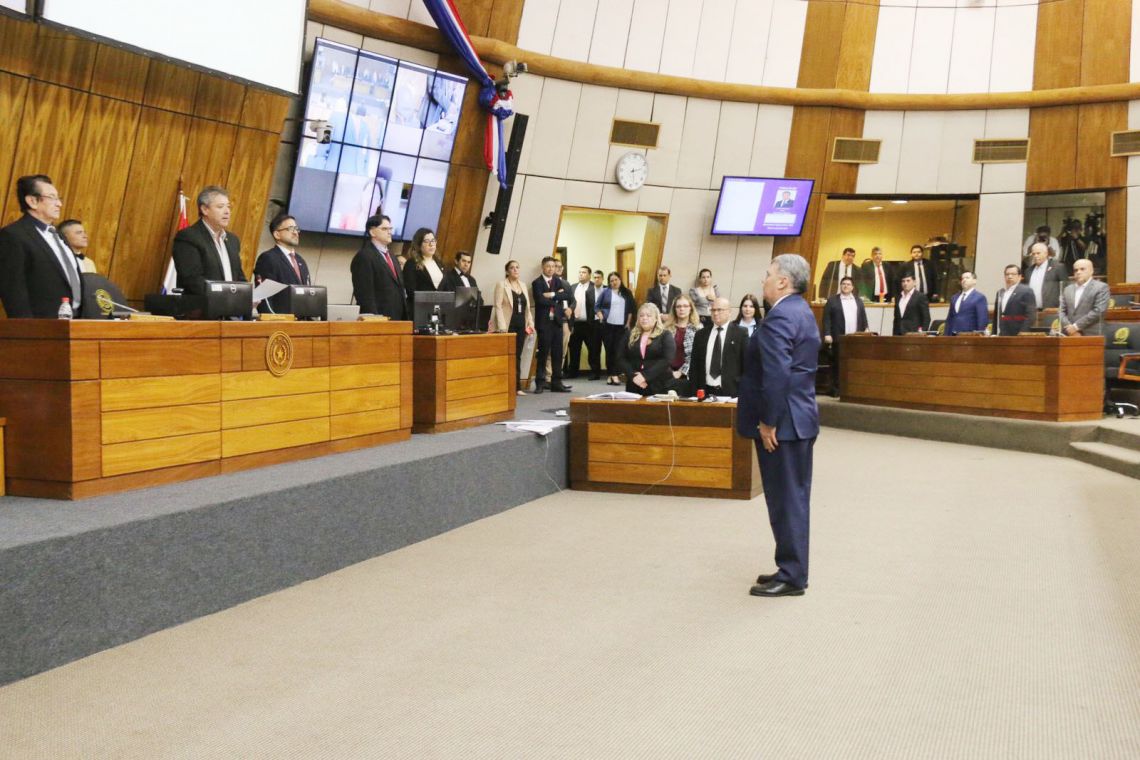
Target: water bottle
(65,308)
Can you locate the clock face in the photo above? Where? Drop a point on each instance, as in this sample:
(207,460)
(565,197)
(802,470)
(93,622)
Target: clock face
(632,171)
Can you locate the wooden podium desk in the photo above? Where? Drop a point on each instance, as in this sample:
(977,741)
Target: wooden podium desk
(628,446)
(96,407)
(1034,377)
(463,380)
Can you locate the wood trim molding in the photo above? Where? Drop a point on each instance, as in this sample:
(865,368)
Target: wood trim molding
(382,26)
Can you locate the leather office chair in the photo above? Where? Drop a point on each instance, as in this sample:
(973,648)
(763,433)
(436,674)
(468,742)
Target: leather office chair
(1121,366)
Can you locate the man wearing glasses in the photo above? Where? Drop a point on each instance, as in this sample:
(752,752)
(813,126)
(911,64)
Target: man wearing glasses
(718,353)
(205,250)
(377,283)
(37,269)
(281,263)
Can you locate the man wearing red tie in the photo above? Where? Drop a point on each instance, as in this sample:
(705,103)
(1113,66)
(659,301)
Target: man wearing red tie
(376,281)
(878,278)
(281,263)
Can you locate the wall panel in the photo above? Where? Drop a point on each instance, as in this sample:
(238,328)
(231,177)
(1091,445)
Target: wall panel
(536,29)
(734,140)
(957,173)
(1052,149)
(591,136)
(611,33)
(63,59)
(573,29)
(883,176)
(669,112)
(1057,62)
(1095,125)
(894,39)
(679,44)
(554,133)
(13,100)
(646,35)
(713,40)
(920,152)
(748,44)
(1015,37)
(698,143)
(785,43)
(999,238)
(119,74)
(250,175)
(971,48)
(770,141)
(1006,178)
(1116,217)
(930,51)
(1106,42)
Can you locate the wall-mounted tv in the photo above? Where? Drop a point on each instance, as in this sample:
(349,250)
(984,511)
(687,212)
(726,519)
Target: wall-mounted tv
(762,206)
(392,131)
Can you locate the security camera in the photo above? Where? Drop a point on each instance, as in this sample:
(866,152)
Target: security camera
(321,130)
(512,69)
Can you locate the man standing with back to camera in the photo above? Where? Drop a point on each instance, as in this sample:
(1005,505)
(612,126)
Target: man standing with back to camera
(777,408)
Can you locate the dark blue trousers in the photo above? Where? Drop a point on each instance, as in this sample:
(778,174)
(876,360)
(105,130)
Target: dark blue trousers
(786,474)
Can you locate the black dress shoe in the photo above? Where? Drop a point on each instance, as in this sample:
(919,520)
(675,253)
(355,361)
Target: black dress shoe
(560,388)
(595,376)
(539,388)
(776,588)
(762,579)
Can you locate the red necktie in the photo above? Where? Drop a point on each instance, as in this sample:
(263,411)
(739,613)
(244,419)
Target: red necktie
(296,269)
(882,287)
(388,261)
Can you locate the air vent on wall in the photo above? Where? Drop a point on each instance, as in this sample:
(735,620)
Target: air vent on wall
(1006,151)
(1126,143)
(853,150)
(641,134)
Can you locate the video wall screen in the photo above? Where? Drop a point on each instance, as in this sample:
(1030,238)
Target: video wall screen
(761,206)
(392,129)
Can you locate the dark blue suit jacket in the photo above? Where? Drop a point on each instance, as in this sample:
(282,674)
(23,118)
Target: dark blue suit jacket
(973,316)
(778,384)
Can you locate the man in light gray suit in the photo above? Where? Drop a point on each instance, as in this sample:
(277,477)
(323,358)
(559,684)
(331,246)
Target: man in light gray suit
(1084,302)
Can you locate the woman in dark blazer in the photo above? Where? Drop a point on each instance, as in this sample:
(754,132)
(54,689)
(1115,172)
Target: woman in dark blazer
(614,322)
(646,353)
(423,269)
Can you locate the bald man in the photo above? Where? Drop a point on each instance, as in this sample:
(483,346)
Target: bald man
(718,353)
(1045,277)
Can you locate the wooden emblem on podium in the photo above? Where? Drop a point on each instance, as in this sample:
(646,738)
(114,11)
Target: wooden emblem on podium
(279,354)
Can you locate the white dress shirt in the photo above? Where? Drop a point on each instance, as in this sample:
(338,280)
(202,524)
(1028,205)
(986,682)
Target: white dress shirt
(224,255)
(1037,281)
(580,292)
(850,314)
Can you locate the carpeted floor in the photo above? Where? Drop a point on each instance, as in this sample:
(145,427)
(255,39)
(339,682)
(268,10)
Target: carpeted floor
(964,603)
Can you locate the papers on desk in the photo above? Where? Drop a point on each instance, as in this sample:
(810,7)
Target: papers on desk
(615,396)
(539,427)
(268,288)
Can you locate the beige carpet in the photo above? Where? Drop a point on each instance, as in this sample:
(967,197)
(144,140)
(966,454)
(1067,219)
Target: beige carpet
(964,603)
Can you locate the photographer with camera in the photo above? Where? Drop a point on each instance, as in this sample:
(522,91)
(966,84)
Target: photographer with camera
(1043,235)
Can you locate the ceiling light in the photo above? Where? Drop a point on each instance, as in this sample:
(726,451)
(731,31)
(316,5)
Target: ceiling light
(900,203)
(875,208)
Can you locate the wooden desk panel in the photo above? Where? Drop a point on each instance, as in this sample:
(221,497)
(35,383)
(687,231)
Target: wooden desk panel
(100,406)
(1026,377)
(680,449)
(462,380)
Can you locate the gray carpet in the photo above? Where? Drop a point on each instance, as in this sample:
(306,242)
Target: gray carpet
(964,603)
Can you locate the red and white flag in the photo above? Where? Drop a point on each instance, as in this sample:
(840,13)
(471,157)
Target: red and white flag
(170,281)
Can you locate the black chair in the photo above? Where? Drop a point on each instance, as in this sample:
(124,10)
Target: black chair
(1122,368)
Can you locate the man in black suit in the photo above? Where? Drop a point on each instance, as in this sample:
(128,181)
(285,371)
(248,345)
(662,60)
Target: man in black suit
(551,299)
(281,263)
(584,327)
(923,272)
(878,278)
(842,315)
(205,250)
(836,271)
(1015,307)
(377,283)
(718,353)
(912,312)
(785,200)
(458,276)
(37,269)
(663,295)
(1046,277)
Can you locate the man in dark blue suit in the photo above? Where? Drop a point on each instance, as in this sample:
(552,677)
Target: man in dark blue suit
(777,407)
(969,311)
(281,263)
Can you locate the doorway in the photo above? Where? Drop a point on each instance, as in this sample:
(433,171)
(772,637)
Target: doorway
(625,242)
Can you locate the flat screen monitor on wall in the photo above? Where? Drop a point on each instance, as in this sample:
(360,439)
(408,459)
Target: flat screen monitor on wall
(392,129)
(762,206)
(261,43)
(16,6)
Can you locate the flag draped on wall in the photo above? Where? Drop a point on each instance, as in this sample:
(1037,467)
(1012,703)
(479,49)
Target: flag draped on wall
(499,106)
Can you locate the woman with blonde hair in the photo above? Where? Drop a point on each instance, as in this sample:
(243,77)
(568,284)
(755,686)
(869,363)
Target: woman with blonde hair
(511,312)
(423,269)
(646,352)
(684,323)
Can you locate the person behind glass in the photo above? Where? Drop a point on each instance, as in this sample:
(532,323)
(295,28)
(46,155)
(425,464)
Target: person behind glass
(748,314)
(646,352)
(459,276)
(551,297)
(585,324)
(843,314)
(281,263)
(683,322)
(703,295)
(615,309)
(718,353)
(76,238)
(423,271)
(510,312)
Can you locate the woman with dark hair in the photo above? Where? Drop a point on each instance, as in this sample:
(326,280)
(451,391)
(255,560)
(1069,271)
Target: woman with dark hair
(683,322)
(748,316)
(423,269)
(510,312)
(646,353)
(615,308)
(703,295)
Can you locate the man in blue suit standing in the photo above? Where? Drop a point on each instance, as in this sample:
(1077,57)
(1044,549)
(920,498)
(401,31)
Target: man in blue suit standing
(777,408)
(968,310)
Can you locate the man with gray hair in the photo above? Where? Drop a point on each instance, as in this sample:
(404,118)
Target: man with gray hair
(777,408)
(205,250)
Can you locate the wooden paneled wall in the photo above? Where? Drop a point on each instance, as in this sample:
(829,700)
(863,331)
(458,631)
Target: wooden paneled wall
(115,130)
(839,43)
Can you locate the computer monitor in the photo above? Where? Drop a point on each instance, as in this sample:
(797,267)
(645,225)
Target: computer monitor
(467,303)
(228,299)
(308,302)
(424,304)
